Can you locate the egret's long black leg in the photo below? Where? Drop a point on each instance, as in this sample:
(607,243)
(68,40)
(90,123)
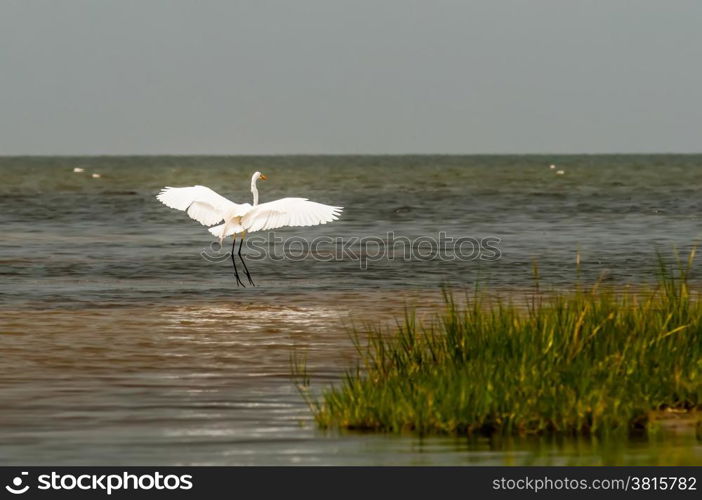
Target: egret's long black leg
(246,269)
(236,272)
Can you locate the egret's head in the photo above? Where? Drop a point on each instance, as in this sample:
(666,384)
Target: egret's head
(257,176)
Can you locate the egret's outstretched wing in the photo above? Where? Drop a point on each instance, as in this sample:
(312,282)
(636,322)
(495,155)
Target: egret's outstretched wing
(288,212)
(201,203)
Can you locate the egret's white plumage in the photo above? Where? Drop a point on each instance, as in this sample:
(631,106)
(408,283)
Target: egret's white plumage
(202,204)
(209,208)
(234,219)
(279,213)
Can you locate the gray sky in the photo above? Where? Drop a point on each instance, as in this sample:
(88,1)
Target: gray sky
(356,76)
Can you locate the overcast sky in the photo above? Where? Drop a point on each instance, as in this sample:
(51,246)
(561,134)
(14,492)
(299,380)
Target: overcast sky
(356,76)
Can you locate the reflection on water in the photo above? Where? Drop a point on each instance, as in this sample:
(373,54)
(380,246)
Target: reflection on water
(119,344)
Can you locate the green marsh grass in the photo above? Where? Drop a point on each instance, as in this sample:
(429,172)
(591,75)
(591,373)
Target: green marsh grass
(594,360)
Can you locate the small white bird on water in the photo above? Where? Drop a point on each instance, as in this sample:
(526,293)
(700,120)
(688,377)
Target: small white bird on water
(237,219)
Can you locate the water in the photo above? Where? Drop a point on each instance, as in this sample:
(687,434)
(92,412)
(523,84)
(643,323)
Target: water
(121,344)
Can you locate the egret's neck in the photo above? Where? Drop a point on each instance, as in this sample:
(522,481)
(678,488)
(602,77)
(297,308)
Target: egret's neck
(254,192)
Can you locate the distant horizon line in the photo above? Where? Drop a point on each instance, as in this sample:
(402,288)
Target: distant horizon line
(93,155)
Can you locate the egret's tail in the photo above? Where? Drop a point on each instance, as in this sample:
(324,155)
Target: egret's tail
(223,230)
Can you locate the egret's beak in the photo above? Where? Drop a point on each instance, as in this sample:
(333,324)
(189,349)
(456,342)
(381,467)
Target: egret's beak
(263,177)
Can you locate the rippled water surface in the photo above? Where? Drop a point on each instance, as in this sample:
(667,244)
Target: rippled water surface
(121,344)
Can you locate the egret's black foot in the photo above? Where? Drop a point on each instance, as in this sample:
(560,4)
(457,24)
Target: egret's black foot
(238,279)
(236,272)
(248,277)
(246,269)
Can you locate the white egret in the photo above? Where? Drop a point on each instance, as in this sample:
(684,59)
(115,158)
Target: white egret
(560,172)
(96,176)
(78,170)
(233,219)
